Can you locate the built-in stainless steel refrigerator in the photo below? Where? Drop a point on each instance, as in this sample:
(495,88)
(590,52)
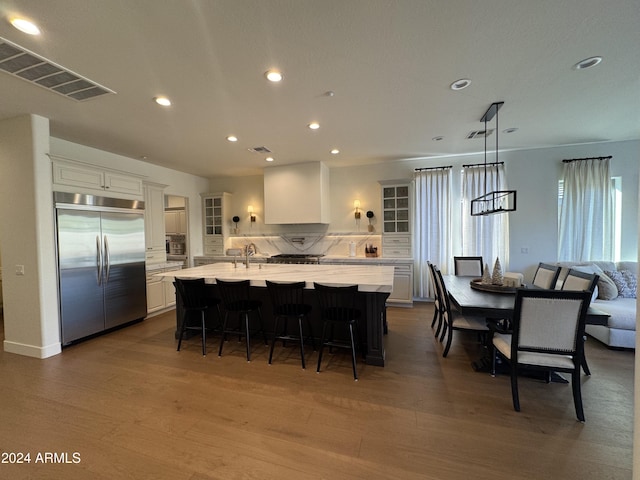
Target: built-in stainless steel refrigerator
(101,263)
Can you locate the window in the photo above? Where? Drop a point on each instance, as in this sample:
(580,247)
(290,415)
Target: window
(616,185)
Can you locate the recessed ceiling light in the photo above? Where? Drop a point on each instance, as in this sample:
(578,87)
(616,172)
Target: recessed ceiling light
(438,138)
(510,130)
(460,84)
(335,151)
(269,159)
(587,63)
(314,125)
(273,75)
(232,138)
(164,101)
(25,26)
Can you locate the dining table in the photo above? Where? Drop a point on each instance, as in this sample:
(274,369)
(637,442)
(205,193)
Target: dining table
(497,306)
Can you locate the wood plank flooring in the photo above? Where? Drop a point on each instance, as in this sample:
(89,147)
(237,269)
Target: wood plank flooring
(134,408)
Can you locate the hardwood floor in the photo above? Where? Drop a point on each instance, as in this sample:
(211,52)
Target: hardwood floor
(134,408)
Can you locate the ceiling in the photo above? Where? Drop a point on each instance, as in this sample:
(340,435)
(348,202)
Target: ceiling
(389,64)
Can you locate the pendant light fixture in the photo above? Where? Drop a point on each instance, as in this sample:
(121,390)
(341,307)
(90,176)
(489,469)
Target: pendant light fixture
(493,201)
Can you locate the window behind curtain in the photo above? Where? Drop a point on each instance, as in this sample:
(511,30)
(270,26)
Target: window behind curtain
(615,237)
(487,235)
(432,226)
(586,225)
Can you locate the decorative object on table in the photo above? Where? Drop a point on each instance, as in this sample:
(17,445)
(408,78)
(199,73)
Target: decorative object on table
(478,284)
(486,278)
(497,277)
(370,251)
(370,216)
(236,219)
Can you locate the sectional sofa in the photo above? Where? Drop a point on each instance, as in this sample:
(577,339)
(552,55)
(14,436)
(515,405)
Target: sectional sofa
(616,292)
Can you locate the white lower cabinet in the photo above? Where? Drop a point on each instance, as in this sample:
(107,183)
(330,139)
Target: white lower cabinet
(402,292)
(161,293)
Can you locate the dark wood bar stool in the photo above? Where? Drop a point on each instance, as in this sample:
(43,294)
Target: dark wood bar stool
(338,306)
(288,304)
(196,298)
(236,298)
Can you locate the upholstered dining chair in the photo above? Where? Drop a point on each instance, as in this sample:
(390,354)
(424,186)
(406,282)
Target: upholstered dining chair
(577,280)
(548,326)
(546,275)
(468,266)
(452,320)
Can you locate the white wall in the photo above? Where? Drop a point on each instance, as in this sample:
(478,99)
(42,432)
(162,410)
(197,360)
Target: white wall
(533,173)
(31,324)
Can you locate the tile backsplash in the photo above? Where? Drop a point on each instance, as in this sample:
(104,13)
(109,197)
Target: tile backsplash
(313,244)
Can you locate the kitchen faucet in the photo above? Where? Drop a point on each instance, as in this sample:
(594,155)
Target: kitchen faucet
(249,249)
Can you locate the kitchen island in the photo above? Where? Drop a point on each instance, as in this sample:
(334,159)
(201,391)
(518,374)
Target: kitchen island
(374,284)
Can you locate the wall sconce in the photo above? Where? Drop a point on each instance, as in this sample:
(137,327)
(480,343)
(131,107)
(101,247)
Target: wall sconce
(356,205)
(251,214)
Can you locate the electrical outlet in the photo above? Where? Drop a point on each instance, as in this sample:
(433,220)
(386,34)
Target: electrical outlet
(19,269)
(524,250)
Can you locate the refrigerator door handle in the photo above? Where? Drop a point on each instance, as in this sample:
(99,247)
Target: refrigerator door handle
(99,260)
(107,260)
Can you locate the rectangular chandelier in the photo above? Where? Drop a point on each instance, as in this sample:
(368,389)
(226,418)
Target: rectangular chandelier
(499,201)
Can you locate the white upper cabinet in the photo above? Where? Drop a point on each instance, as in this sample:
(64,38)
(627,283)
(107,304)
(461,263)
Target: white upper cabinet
(74,176)
(295,194)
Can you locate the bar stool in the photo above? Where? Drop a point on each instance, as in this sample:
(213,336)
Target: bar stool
(338,306)
(236,298)
(287,300)
(196,297)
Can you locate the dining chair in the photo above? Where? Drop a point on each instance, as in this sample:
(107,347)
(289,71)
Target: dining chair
(452,320)
(468,266)
(236,298)
(438,303)
(582,281)
(339,307)
(548,326)
(288,303)
(196,298)
(546,275)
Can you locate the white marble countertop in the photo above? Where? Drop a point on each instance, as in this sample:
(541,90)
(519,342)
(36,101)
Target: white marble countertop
(325,259)
(151,267)
(369,278)
(366,260)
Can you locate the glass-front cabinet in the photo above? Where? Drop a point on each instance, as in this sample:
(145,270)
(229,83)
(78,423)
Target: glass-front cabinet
(395,209)
(216,222)
(396,219)
(213,216)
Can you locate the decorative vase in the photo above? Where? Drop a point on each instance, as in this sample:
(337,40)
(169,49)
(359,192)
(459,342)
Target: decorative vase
(497,278)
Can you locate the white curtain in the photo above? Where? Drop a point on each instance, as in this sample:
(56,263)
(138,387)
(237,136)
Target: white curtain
(432,226)
(585,228)
(486,235)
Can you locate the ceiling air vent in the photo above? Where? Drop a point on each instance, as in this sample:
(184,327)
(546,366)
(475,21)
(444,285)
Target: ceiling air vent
(35,69)
(260,150)
(480,133)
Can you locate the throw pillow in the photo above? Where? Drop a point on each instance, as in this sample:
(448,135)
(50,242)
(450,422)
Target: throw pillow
(607,289)
(626,283)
